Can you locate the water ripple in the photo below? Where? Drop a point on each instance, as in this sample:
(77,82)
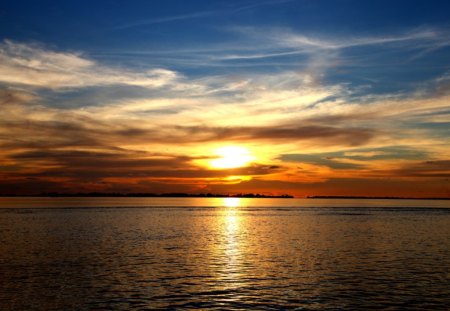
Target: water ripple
(225,259)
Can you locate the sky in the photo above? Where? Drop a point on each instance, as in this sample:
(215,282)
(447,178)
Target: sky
(300,97)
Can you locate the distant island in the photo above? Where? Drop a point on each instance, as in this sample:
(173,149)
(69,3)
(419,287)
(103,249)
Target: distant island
(212,195)
(370,197)
(150,195)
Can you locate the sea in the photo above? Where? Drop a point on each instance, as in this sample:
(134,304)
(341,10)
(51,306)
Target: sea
(224,254)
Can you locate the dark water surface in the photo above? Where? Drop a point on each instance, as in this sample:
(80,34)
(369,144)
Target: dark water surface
(223,254)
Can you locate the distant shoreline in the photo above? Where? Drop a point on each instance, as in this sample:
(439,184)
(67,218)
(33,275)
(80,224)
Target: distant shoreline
(152,195)
(370,198)
(210,195)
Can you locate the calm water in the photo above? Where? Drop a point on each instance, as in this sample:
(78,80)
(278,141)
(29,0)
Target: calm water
(165,253)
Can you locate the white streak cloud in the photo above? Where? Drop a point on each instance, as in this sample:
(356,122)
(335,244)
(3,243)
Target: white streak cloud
(32,65)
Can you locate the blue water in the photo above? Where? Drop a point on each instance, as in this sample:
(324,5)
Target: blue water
(190,253)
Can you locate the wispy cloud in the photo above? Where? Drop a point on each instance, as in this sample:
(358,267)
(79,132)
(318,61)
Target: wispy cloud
(302,41)
(165,19)
(272,47)
(284,41)
(25,64)
(227,10)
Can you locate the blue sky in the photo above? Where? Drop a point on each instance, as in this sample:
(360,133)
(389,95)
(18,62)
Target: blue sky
(322,90)
(199,38)
(140,33)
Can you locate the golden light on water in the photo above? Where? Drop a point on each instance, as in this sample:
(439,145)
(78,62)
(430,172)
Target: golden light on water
(231,157)
(231,249)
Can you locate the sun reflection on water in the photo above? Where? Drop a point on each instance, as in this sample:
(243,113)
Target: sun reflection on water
(229,249)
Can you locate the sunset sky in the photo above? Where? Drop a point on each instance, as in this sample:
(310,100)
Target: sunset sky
(303,97)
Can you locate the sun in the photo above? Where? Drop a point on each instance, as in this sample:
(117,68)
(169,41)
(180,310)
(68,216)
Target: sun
(231,202)
(231,157)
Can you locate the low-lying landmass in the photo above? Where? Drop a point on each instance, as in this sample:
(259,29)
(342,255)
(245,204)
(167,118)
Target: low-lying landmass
(167,195)
(213,195)
(371,197)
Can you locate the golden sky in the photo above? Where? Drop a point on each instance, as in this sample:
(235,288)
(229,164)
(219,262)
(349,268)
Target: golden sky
(261,108)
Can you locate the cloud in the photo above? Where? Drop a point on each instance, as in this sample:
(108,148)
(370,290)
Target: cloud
(33,65)
(42,126)
(322,134)
(425,169)
(165,19)
(357,158)
(272,46)
(301,41)
(16,96)
(384,153)
(98,166)
(157,125)
(276,42)
(231,10)
(319,159)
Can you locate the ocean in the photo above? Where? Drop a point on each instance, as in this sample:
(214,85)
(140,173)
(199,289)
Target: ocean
(224,254)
